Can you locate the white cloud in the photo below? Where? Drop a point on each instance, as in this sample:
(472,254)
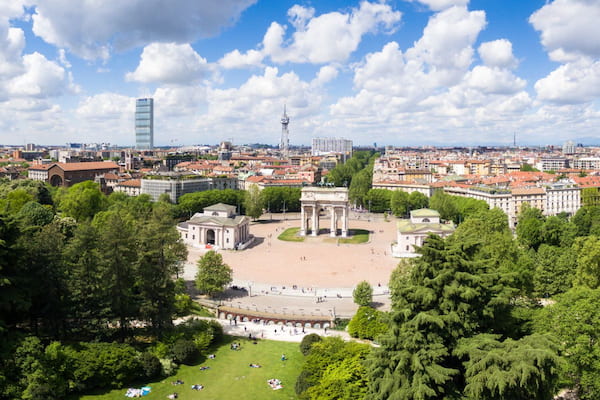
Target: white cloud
(569,28)
(169,63)
(327,37)
(497,53)
(439,5)
(325,75)
(106,106)
(42,78)
(92,29)
(235,59)
(571,83)
(62,58)
(494,80)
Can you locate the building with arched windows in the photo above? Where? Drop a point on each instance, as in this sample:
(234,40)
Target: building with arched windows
(218,226)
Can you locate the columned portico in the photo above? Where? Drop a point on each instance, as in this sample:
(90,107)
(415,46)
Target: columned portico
(333,200)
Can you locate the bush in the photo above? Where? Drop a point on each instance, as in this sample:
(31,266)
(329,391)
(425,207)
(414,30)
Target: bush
(183,304)
(303,381)
(101,365)
(308,341)
(168,366)
(367,323)
(185,351)
(150,365)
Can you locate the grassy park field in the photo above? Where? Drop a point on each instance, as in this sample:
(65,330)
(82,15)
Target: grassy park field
(229,375)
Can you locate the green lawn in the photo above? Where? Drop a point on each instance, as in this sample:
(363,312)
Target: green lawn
(229,376)
(291,235)
(356,236)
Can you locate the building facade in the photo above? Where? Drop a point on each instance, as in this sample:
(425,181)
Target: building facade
(174,187)
(219,226)
(413,232)
(144,124)
(331,145)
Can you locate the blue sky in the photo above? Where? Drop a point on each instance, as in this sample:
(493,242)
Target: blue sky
(401,72)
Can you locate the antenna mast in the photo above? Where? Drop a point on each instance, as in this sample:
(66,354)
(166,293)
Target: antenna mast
(284,143)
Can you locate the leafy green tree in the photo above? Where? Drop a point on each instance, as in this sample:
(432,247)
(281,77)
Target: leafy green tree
(378,200)
(35,214)
(16,199)
(361,183)
(587,220)
(575,322)
(417,200)
(367,323)
(444,204)
(555,269)
(363,294)
(213,274)
(333,369)
(529,226)
(399,203)
(82,201)
(590,197)
(253,202)
(14,279)
(588,261)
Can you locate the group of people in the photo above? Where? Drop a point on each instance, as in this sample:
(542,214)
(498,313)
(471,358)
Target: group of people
(235,346)
(275,384)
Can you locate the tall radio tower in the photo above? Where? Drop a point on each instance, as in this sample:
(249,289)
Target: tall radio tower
(284,144)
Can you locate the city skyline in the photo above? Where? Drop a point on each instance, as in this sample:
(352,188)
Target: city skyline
(437,72)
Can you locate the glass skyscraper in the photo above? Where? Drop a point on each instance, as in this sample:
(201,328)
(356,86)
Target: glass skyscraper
(144,124)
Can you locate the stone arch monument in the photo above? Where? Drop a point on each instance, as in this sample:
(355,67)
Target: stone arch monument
(334,200)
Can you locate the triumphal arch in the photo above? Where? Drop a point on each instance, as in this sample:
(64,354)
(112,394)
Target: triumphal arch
(333,200)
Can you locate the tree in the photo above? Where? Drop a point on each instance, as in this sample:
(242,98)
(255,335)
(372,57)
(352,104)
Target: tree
(160,252)
(363,294)
(446,297)
(575,322)
(253,202)
(82,201)
(117,258)
(378,200)
(529,226)
(443,203)
(588,261)
(367,323)
(361,183)
(525,369)
(555,270)
(212,274)
(417,200)
(399,203)
(334,369)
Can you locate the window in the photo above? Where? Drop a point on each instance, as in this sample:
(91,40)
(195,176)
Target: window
(407,248)
(186,235)
(193,237)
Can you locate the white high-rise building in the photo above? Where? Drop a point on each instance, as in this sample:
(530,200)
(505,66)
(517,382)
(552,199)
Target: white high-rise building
(144,124)
(331,145)
(569,147)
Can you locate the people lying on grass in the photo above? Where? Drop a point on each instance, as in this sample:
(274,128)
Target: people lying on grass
(254,365)
(177,382)
(173,396)
(197,387)
(204,367)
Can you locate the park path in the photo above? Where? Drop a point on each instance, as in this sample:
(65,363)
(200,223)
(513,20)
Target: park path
(270,332)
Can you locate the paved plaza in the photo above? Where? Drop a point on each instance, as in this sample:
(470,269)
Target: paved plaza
(314,276)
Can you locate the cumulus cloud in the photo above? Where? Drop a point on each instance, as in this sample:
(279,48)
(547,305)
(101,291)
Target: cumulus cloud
(169,63)
(93,30)
(497,53)
(235,59)
(42,78)
(438,5)
(327,37)
(569,28)
(326,74)
(106,106)
(571,83)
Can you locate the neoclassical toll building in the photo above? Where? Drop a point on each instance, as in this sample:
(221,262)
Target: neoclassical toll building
(334,201)
(218,225)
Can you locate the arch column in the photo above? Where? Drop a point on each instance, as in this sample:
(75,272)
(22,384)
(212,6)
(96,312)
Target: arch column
(345,221)
(315,221)
(303,220)
(333,230)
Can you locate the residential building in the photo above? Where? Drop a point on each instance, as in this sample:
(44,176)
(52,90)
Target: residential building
(322,146)
(68,174)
